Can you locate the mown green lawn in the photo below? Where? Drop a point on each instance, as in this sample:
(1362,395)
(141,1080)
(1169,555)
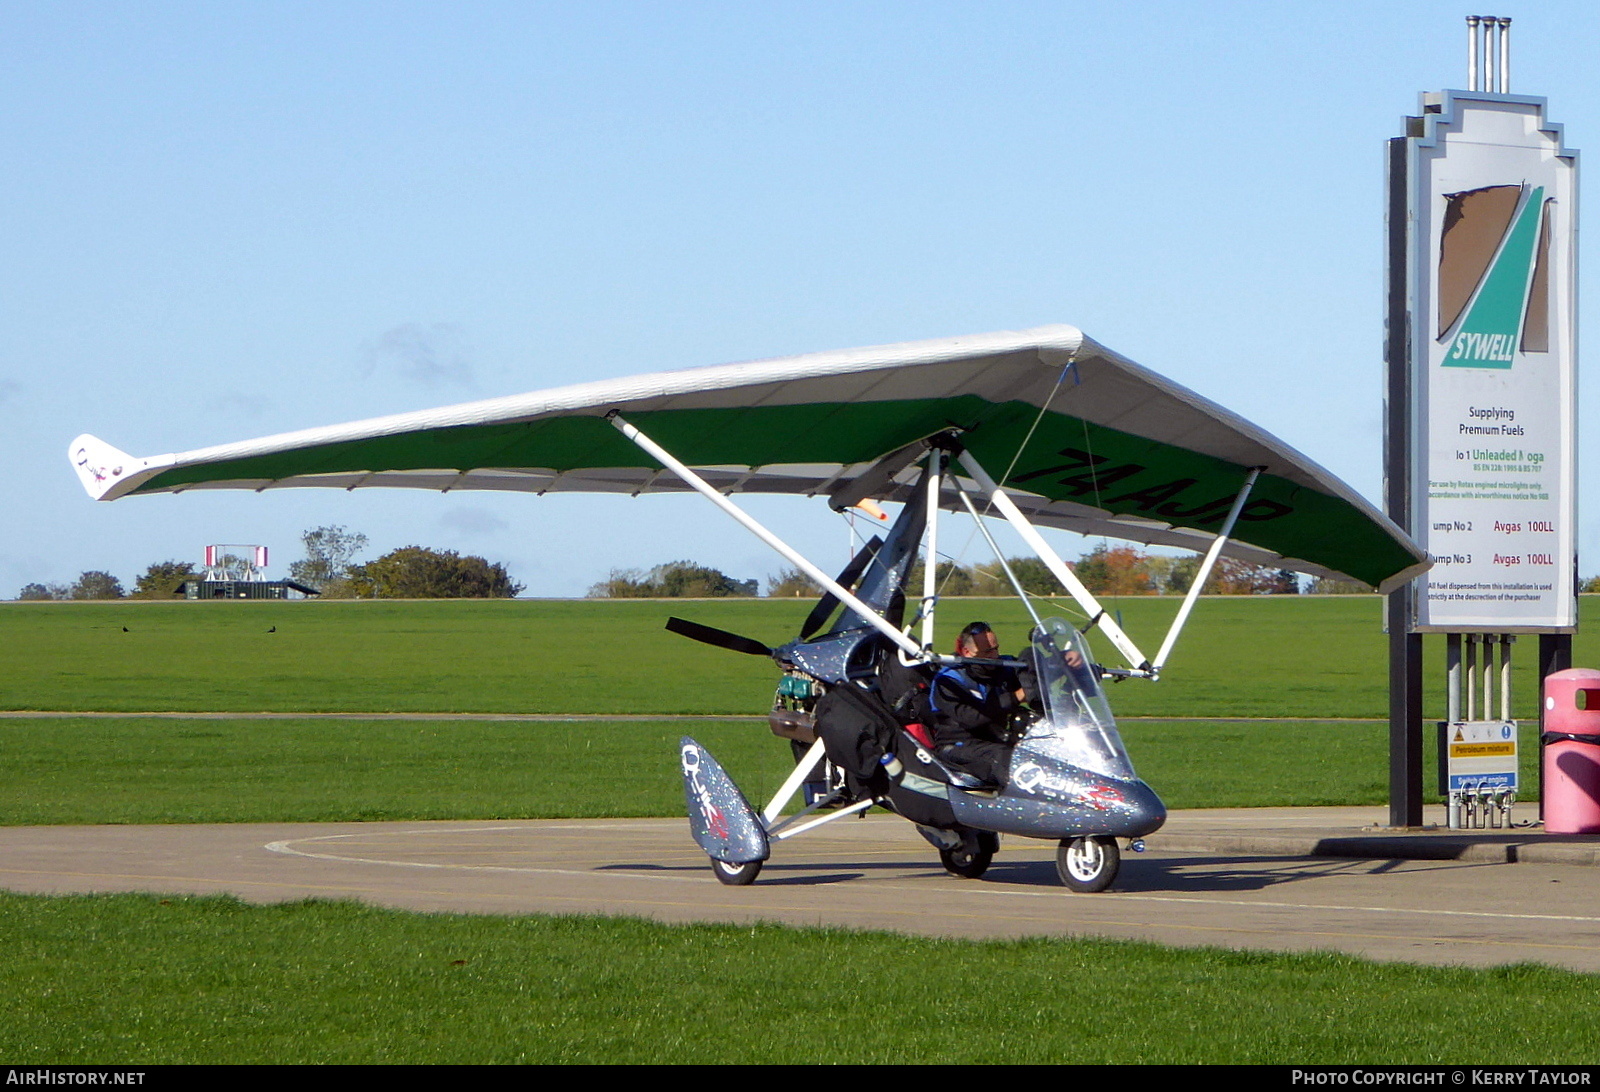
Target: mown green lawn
(241,771)
(457,656)
(137,980)
(133,980)
(147,770)
(1266,656)
(1278,658)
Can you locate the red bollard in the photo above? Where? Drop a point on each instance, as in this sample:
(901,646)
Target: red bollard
(1572,752)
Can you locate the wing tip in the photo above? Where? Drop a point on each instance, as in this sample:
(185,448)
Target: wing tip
(99,466)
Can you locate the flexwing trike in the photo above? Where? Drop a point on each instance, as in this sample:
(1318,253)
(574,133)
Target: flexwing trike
(1081,439)
(853,700)
(1070,779)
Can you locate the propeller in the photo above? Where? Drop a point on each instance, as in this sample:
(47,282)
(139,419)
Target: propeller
(852,572)
(719,637)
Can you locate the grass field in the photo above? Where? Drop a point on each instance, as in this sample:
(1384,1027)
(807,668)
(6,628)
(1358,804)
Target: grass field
(210,771)
(148,770)
(1264,657)
(132,980)
(1268,656)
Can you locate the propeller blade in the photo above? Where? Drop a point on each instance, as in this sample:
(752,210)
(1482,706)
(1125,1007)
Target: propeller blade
(852,572)
(719,637)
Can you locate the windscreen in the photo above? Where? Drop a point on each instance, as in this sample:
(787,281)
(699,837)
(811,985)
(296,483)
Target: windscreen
(1076,724)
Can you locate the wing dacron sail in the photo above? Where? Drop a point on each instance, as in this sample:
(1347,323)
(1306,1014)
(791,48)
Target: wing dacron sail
(1081,438)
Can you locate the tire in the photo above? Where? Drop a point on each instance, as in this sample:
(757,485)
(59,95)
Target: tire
(1087,865)
(736,873)
(971,859)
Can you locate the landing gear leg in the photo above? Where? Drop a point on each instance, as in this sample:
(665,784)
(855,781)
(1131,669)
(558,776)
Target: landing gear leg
(971,858)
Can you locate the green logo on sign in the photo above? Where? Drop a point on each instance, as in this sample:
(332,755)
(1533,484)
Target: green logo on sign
(1491,276)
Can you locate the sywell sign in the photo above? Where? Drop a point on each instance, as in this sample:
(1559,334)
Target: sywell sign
(1492,213)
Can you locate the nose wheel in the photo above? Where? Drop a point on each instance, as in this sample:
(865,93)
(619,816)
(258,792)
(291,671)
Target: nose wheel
(736,873)
(1088,864)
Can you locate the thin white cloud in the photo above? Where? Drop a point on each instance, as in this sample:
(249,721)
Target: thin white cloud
(433,355)
(473,521)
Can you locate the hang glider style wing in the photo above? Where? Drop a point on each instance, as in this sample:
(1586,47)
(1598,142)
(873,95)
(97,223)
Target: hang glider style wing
(1080,437)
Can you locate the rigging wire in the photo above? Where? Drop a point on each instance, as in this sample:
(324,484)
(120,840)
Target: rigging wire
(1069,368)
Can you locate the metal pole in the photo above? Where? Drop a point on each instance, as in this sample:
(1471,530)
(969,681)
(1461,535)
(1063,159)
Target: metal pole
(1058,568)
(748,522)
(1405,714)
(1405,647)
(930,556)
(1473,35)
(1488,55)
(1206,566)
(1505,56)
(792,783)
(1452,674)
(1488,676)
(1506,640)
(1472,676)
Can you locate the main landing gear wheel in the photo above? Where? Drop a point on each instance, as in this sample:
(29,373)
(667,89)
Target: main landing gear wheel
(971,859)
(736,873)
(1087,865)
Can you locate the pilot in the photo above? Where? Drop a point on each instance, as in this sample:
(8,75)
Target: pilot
(972,705)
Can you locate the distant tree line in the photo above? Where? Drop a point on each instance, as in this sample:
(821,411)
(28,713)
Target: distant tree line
(411,572)
(329,567)
(1123,570)
(1115,571)
(415,572)
(674,580)
(1105,570)
(93,584)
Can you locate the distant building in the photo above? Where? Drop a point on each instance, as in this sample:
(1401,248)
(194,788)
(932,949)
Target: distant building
(245,589)
(230,575)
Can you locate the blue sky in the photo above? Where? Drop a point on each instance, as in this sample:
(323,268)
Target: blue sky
(230,220)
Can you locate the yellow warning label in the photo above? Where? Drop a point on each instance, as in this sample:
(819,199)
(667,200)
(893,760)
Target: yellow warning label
(1481,750)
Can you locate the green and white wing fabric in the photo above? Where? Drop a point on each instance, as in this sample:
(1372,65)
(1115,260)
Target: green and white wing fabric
(1082,439)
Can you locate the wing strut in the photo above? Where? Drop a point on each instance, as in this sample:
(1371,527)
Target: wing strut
(1058,568)
(802,770)
(705,489)
(1206,566)
(930,557)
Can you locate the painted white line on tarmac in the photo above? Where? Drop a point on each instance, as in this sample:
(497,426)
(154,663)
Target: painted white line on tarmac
(1431,911)
(287,848)
(991,891)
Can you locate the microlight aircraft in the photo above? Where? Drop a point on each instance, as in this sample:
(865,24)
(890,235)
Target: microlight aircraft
(1040,428)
